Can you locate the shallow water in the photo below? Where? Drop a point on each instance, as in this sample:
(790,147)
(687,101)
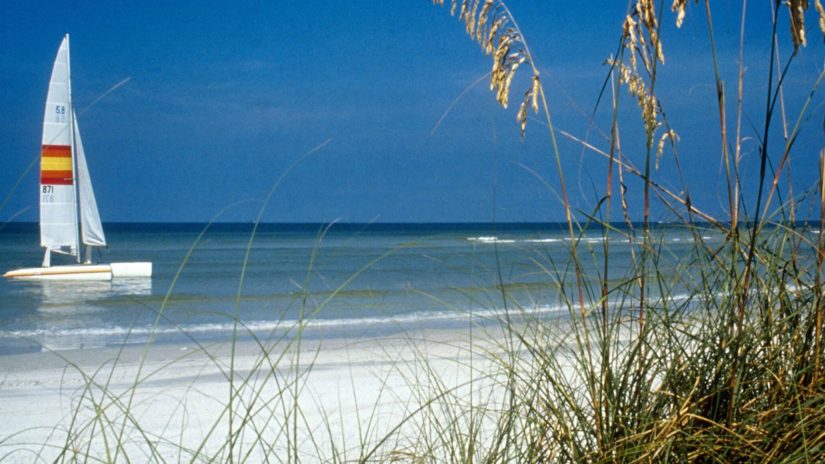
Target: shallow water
(348,280)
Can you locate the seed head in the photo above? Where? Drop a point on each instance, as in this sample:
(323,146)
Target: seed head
(679,7)
(797,10)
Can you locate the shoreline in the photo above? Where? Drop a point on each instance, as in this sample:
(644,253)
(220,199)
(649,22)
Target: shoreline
(113,337)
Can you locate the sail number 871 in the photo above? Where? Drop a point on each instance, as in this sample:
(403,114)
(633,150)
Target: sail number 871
(47,194)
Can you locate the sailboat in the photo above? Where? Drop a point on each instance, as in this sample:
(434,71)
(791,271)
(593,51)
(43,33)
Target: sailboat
(69,219)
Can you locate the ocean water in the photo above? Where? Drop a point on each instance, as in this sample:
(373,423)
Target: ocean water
(343,280)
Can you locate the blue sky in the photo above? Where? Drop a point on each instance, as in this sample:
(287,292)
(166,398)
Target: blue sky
(223,96)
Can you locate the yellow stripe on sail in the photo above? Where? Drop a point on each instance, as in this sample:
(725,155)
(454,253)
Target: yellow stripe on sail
(49,163)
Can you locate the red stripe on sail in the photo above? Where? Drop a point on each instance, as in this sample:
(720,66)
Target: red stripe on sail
(56,150)
(56,177)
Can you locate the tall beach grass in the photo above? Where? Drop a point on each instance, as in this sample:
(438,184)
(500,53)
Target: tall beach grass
(734,371)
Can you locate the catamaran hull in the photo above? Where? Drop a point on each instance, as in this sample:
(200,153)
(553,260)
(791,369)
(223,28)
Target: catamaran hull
(83,272)
(131,269)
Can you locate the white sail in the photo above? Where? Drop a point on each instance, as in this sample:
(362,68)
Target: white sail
(58,204)
(91,230)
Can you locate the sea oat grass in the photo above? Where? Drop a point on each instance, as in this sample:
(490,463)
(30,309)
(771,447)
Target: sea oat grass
(732,373)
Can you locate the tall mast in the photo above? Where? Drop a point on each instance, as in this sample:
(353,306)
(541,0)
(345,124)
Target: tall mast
(74,149)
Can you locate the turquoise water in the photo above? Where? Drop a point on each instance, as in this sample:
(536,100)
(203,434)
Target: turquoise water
(344,280)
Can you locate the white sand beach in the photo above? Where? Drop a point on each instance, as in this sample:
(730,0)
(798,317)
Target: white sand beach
(350,395)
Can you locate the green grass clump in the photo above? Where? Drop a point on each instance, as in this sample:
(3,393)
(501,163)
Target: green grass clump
(730,373)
